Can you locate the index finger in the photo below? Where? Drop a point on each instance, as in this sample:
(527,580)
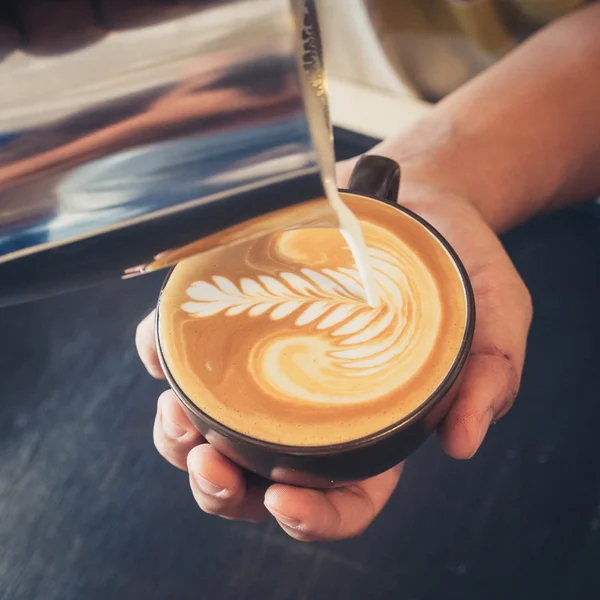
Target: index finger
(145,342)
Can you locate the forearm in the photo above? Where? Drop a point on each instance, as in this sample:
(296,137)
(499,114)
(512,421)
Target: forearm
(523,137)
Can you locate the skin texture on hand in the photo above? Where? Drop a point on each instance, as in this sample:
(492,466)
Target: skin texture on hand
(488,390)
(504,312)
(520,139)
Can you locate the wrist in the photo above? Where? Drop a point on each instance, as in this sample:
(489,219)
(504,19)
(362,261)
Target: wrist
(453,158)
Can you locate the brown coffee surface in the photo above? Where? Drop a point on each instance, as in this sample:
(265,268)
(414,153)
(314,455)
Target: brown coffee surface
(274,339)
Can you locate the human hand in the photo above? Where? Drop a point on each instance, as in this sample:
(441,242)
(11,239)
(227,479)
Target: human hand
(489,387)
(493,371)
(222,488)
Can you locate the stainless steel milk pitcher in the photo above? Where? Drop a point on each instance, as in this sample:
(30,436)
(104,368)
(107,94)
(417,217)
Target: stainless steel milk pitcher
(131,128)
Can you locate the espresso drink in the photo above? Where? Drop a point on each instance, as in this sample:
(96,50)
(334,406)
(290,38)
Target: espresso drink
(274,338)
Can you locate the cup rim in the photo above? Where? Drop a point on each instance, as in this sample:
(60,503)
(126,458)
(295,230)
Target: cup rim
(394,428)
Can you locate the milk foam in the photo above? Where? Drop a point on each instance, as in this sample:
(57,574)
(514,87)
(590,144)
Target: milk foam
(274,337)
(336,338)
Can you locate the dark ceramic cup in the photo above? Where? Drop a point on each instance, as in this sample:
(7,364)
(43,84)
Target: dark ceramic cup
(377,178)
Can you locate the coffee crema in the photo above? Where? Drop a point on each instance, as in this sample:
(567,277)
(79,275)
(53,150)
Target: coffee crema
(274,338)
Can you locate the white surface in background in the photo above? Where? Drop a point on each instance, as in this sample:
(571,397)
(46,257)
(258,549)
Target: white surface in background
(366,94)
(372,112)
(352,49)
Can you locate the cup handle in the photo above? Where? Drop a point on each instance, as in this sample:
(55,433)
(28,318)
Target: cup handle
(376,176)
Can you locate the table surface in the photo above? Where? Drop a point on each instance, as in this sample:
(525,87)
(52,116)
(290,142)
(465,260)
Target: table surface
(89,510)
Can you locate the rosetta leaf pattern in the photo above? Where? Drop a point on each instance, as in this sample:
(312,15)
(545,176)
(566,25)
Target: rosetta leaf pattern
(325,299)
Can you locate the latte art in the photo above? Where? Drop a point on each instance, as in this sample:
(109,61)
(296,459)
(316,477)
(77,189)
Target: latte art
(275,339)
(377,348)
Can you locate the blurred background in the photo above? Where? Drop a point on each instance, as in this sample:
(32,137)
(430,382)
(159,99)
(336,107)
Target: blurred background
(89,510)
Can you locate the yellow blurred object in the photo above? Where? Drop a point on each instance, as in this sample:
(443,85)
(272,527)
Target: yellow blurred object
(544,11)
(437,45)
(480,22)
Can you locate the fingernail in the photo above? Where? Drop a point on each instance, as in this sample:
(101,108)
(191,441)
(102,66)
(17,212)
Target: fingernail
(283,519)
(207,487)
(172,429)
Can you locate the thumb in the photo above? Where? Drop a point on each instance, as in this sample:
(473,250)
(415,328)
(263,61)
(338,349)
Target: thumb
(493,372)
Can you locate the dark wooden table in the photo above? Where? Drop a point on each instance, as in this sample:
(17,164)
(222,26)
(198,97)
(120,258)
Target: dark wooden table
(88,510)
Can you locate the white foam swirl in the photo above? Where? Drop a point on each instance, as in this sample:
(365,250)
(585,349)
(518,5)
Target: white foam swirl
(336,348)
